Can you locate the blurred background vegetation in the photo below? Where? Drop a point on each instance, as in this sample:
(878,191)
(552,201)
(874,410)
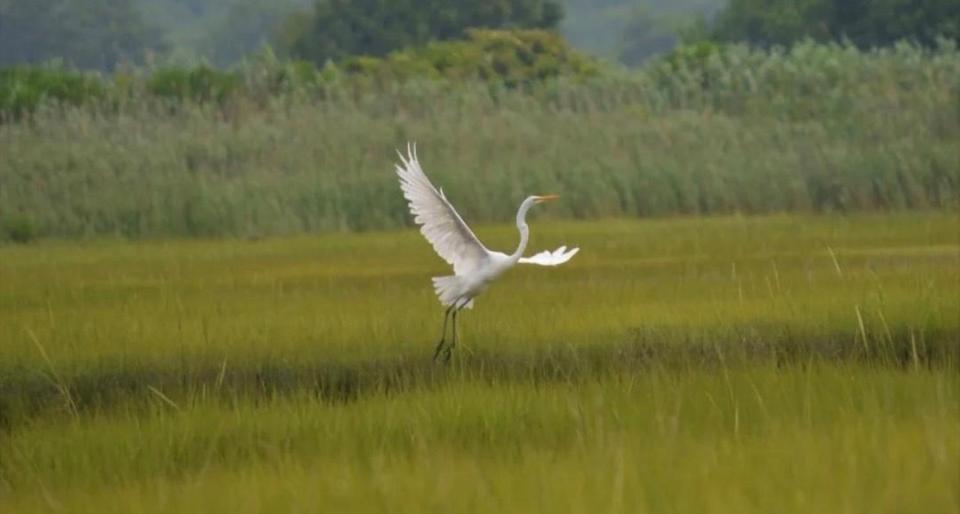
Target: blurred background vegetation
(252,117)
(102,34)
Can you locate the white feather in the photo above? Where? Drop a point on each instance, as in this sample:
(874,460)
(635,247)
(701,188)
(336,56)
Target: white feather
(439,222)
(548,258)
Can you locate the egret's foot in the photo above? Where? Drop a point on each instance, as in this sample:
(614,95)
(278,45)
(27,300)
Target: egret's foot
(439,350)
(447,353)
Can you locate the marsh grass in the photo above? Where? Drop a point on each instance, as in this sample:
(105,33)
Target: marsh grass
(833,438)
(818,128)
(778,363)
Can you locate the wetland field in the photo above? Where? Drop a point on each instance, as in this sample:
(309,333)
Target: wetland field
(718,364)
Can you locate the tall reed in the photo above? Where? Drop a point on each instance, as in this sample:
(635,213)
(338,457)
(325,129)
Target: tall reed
(815,128)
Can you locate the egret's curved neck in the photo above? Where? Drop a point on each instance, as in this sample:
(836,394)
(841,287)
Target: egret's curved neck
(522,227)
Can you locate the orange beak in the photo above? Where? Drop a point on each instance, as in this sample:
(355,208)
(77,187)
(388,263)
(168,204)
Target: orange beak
(547,198)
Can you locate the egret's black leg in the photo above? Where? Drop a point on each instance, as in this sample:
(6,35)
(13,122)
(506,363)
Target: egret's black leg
(449,349)
(443,335)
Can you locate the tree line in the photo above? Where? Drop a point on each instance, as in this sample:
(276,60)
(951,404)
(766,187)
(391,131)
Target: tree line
(105,34)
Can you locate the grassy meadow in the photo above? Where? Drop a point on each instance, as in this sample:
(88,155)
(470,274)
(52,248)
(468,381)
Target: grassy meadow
(787,363)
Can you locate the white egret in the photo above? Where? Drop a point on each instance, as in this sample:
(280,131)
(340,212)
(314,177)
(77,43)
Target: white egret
(474,266)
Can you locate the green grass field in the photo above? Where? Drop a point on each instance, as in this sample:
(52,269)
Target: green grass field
(734,364)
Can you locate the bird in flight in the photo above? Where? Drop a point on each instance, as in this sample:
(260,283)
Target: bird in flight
(474,266)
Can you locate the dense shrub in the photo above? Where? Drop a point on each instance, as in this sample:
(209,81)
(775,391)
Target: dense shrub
(18,228)
(807,80)
(512,57)
(803,81)
(23,89)
(200,84)
(509,57)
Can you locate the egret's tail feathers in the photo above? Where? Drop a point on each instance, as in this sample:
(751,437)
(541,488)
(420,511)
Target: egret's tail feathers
(451,290)
(548,258)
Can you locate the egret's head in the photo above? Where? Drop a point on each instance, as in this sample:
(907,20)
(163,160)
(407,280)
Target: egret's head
(545,198)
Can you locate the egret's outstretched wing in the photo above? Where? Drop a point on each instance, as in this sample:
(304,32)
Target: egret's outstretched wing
(548,258)
(439,222)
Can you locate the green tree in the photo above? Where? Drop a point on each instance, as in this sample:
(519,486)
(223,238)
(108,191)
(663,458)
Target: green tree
(93,34)
(866,23)
(341,28)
